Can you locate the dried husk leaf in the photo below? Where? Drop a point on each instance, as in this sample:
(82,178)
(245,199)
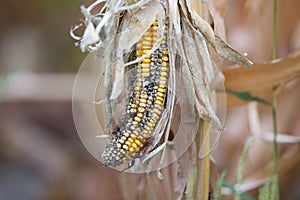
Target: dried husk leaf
(221,47)
(262,80)
(130,31)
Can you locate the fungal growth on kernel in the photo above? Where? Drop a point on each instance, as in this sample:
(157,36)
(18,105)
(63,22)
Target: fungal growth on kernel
(144,103)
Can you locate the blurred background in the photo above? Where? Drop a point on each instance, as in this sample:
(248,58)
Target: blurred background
(41,154)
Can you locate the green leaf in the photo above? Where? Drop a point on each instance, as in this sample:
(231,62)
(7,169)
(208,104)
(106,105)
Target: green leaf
(247,96)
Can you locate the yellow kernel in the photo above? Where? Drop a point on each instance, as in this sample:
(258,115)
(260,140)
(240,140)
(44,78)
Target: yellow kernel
(160,99)
(131,149)
(165,58)
(139,143)
(139,45)
(155,116)
(158,102)
(134,145)
(152,121)
(165,52)
(117,158)
(165,64)
(160,94)
(133,105)
(164,69)
(119,145)
(147,47)
(126,134)
(141,109)
(162,86)
(150,124)
(155,110)
(137,149)
(163,90)
(147,60)
(145,51)
(144,96)
(147,128)
(133,136)
(148,33)
(138,88)
(164,74)
(146,74)
(140,115)
(145,132)
(145,65)
(138,83)
(143,100)
(154,34)
(137,119)
(130,139)
(142,139)
(162,78)
(135,123)
(146,70)
(128,143)
(125,147)
(148,38)
(146,43)
(139,53)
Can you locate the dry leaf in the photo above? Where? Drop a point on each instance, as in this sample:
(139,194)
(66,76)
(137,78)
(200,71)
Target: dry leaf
(262,80)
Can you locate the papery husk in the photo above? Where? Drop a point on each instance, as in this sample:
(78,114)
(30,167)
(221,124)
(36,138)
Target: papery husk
(262,80)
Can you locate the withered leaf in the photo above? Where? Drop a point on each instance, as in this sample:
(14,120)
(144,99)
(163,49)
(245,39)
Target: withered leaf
(262,80)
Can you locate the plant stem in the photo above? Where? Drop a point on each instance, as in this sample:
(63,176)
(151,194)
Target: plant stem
(274,54)
(275,145)
(275,184)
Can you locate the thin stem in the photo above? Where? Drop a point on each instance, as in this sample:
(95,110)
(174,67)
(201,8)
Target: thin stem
(275,145)
(275,184)
(274,54)
(241,168)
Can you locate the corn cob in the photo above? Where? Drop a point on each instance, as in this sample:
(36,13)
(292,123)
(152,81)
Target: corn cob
(144,103)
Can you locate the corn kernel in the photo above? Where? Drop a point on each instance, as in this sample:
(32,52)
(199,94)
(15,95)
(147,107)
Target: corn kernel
(140,115)
(146,70)
(164,74)
(145,43)
(158,102)
(125,147)
(141,109)
(131,149)
(163,90)
(146,60)
(160,94)
(145,65)
(130,139)
(137,119)
(147,38)
(165,64)
(163,78)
